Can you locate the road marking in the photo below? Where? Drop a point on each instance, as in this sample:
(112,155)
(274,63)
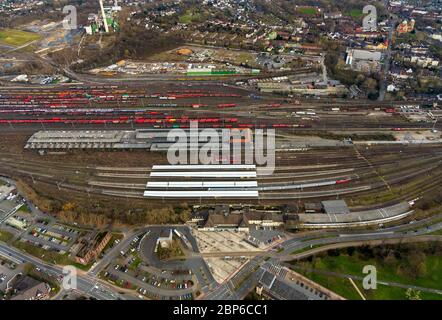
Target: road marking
(11,213)
(381,213)
(357,289)
(11,258)
(365,234)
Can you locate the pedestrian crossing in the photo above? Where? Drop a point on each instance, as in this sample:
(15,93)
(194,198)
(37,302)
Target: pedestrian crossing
(276,269)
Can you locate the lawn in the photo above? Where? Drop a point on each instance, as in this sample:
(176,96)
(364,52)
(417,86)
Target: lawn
(50,256)
(173,251)
(45,255)
(311,247)
(344,288)
(24,208)
(307,11)
(189,17)
(5,236)
(31,272)
(17,37)
(355,13)
(436,233)
(136,263)
(111,243)
(81,266)
(419,266)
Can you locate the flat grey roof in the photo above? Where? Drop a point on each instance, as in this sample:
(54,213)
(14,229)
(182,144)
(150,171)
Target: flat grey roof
(366,55)
(335,207)
(359,216)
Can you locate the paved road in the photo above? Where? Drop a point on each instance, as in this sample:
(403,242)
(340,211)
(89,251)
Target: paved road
(85,284)
(248,276)
(245,279)
(387,62)
(238,286)
(386,283)
(10,213)
(116,249)
(194,263)
(343,242)
(162,291)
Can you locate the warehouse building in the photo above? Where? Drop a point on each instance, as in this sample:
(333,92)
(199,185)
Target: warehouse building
(327,207)
(78,139)
(149,139)
(363,60)
(357,218)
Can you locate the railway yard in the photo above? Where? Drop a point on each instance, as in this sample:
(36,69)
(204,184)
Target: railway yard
(385,172)
(220,150)
(324,149)
(102,149)
(173,106)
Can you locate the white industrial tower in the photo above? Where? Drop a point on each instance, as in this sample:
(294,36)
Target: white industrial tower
(103,14)
(116,7)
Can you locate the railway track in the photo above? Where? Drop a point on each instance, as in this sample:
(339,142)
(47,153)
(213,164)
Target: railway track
(62,175)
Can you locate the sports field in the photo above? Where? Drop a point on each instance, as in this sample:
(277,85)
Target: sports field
(307,11)
(17,37)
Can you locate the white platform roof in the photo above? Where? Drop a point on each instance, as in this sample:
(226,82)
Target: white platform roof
(201,194)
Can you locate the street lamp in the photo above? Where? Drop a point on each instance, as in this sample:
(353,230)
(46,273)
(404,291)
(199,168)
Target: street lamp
(434,126)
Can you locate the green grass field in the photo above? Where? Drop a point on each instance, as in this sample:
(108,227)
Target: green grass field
(24,208)
(307,11)
(344,288)
(355,13)
(307,248)
(396,267)
(17,37)
(5,236)
(45,255)
(189,17)
(50,256)
(436,233)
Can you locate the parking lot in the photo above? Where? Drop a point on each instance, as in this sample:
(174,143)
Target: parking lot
(55,237)
(223,241)
(51,236)
(14,213)
(7,271)
(229,242)
(10,207)
(129,271)
(264,238)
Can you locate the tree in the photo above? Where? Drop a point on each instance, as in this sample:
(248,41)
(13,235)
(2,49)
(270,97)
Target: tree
(68,206)
(369,84)
(412,294)
(185,215)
